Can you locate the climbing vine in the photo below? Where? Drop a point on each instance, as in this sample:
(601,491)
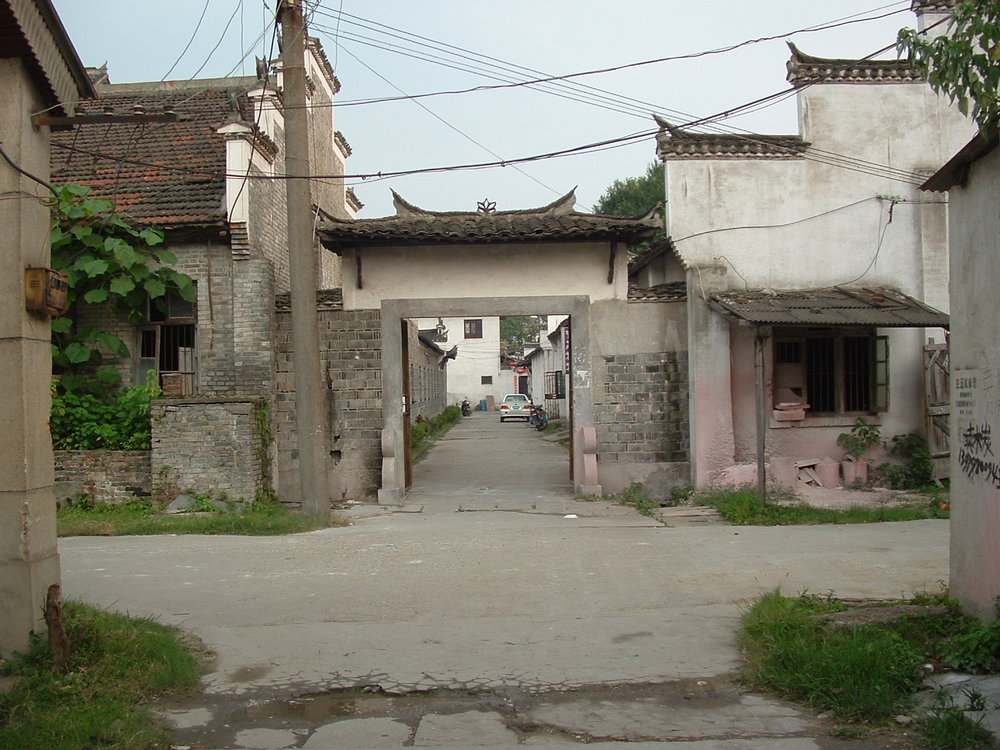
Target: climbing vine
(108,260)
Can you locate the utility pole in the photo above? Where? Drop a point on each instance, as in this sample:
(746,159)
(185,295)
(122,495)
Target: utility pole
(310,406)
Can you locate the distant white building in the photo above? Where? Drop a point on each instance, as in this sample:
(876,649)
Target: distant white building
(475,373)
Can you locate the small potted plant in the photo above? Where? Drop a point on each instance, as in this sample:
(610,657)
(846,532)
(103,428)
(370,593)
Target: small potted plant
(863,435)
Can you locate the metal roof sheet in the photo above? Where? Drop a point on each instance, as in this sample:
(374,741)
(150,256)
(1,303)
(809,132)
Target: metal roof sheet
(833,306)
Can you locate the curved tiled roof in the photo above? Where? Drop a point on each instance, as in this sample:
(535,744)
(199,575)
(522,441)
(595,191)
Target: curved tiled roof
(170,174)
(326,299)
(670,291)
(674,143)
(556,222)
(804,69)
(932,6)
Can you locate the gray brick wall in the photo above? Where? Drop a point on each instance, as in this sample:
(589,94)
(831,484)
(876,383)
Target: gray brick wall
(208,445)
(640,407)
(428,382)
(351,358)
(105,476)
(235,321)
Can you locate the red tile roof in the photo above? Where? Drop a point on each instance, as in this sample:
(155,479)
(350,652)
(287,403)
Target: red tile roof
(170,174)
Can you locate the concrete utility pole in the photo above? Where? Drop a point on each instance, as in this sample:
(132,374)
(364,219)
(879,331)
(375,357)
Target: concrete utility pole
(310,406)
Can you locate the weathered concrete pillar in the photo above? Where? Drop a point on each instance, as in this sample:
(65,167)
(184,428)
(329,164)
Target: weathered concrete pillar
(709,377)
(29,562)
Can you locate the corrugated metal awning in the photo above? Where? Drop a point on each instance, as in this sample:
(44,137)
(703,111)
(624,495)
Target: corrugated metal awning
(833,306)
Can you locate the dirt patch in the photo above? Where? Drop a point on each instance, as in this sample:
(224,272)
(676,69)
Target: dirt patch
(841,497)
(872,614)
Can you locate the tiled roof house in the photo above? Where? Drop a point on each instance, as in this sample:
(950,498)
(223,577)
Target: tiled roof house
(211,179)
(802,254)
(206,179)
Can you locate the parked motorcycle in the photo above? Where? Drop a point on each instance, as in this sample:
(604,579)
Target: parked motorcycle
(538,418)
(466,408)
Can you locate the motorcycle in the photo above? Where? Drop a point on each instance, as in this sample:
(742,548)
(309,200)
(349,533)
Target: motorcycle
(538,418)
(466,408)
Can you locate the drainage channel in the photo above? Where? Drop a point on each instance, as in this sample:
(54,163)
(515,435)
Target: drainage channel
(710,709)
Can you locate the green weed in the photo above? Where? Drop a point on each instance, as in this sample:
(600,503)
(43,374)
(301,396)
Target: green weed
(742,506)
(858,674)
(116,663)
(262,518)
(635,496)
(947,727)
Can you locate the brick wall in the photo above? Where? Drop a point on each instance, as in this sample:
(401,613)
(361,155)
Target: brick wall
(640,407)
(351,358)
(208,445)
(105,476)
(428,382)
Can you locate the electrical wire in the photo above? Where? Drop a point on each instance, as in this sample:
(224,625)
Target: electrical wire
(599,71)
(451,126)
(17,168)
(880,170)
(644,107)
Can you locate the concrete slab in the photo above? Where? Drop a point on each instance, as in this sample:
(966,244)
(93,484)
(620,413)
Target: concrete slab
(667,715)
(377,733)
(266,739)
(468,729)
(517,597)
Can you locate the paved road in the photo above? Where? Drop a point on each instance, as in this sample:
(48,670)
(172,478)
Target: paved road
(481,615)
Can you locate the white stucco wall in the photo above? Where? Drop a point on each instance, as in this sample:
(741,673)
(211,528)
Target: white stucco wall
(806,223)
(790,223)
(477,358)
(526,269)
(975,393)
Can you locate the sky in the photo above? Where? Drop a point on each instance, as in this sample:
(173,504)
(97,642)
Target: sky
(184,39)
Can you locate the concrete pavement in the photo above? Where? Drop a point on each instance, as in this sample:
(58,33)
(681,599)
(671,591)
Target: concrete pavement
(483,613)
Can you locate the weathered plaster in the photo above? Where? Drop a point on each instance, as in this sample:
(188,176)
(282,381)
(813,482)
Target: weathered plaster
(975,392)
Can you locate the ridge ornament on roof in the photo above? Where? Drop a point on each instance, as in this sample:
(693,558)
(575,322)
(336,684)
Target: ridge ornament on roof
(556,222)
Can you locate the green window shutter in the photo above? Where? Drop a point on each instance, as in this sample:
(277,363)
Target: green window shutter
(880,373)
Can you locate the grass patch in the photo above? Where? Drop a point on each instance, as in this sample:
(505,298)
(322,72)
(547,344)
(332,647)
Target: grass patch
(552,426)
(116,663)
(742,506)
(867,673)
(265,518)
(635,496)
(947,727)
(858,674)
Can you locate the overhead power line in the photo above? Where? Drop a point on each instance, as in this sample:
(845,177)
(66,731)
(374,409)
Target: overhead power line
(430,43)
(623,104)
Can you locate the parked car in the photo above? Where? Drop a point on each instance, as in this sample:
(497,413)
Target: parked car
(515,406)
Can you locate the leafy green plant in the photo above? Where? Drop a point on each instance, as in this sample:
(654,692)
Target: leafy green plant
(962,62)
(119,421)
(947,727)
(976,649)
(917,469)
(863,435)
(424,431)
(108,261)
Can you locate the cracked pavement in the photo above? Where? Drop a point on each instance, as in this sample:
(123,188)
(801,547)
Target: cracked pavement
(555,622)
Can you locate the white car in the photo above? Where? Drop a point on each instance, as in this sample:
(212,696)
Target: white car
(515,406)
